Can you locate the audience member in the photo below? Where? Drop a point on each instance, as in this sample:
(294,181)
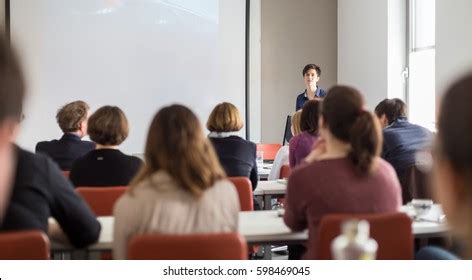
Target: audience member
(452,172)
(39,190)
(236,155)
(311,76)
(344,173)
(106,165)
(72,119)
(281,158)
(301,144)
(182,188)
(402,140)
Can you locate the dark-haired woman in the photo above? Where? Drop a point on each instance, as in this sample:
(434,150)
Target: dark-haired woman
(182,188)
(300,145)
(344,173)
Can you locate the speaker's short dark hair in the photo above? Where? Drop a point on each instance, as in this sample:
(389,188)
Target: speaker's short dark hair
(308,67)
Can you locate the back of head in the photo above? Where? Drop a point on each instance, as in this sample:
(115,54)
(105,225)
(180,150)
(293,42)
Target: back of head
(296,123)
(12,90)
(177,145)
(70,116)
(108,126)
(393,109)
(309,117)
(455,127)
(225,117)
(344,115)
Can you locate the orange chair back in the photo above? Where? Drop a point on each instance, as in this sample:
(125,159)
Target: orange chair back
(270,150)
(392,232)
(222,246)
(66,173)
(285,171)
(24,245)
(244,188)
(101,199)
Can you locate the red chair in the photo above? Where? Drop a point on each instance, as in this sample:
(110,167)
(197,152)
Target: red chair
(392,231)
(270,150)
(285,171)
(101,199)
(66,173)
(244,188)
(24,245)
(222,246)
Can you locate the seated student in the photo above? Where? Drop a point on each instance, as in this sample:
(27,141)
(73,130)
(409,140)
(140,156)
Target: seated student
(72,119)
(107,165)
(182,188)
(344,173)
(281,158)
(311,76)
(402,139)
(302,144)
(38,189)
(452,172)
(236,155)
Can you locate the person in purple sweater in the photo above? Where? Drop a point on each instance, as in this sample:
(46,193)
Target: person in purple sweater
(344,173)
(300,145)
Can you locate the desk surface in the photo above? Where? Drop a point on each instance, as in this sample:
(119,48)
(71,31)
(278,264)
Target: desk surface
(275,187)
(261,227)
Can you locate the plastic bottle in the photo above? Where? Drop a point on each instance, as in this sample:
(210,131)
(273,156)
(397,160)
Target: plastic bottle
(354,242)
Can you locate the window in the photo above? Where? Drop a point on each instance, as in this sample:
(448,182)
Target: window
(421,62)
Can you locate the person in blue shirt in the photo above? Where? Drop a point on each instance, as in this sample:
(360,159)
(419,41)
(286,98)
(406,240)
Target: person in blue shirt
(311,76)
(402,139)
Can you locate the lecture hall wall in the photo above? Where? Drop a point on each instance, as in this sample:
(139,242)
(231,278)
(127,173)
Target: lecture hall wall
(293,34)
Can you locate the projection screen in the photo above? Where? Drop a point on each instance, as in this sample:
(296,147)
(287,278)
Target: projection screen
(139,55)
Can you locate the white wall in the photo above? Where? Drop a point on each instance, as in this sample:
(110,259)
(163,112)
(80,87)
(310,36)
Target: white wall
(255,72)
(362,47)
(397,48)
(372,47)
(453,41)
(294,33)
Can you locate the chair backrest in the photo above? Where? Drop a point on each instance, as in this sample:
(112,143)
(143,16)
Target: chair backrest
(101,199)
(66,173)
(392,231)
(244,188)
(24,245)
(270,150)
(285,171)
(221,246)
(415,184)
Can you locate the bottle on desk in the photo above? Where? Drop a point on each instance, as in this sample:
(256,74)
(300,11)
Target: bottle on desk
(354,243)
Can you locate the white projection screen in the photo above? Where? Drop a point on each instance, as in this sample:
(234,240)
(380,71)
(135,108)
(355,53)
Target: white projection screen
(139,55)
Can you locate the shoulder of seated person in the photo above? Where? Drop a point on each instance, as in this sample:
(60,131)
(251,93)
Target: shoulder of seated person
(35,163)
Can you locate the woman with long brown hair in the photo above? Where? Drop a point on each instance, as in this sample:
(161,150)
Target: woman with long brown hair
(182,187)
(344,173)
